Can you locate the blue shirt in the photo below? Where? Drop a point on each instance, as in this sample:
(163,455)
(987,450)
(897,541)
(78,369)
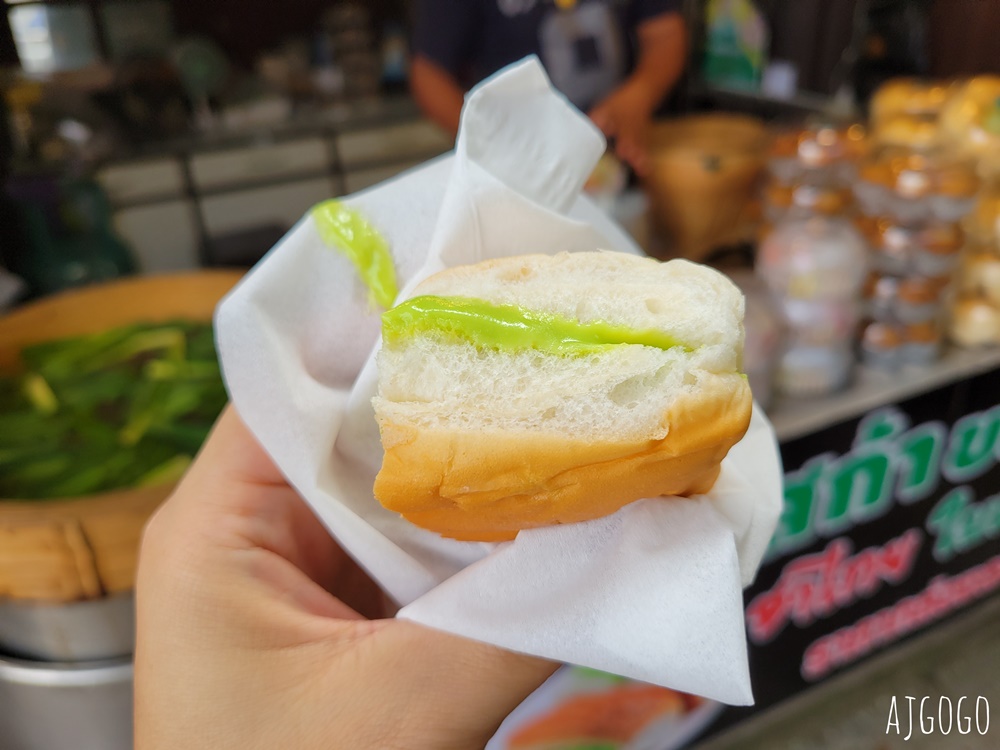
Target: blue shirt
(586,49)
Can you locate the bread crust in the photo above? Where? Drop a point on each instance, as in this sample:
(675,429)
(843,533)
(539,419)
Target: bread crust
(481,485)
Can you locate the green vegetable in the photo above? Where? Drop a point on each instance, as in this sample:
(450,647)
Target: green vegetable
(40,394)
(123,408)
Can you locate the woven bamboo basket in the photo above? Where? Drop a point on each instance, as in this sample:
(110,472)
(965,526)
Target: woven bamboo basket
(704,176)
(64,550)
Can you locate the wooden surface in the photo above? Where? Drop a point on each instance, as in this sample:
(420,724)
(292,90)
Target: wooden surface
(704,176)
(84,548)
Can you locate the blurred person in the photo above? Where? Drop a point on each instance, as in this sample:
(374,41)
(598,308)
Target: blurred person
(253,630)
(616,60)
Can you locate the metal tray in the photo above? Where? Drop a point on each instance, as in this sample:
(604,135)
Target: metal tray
(78,631)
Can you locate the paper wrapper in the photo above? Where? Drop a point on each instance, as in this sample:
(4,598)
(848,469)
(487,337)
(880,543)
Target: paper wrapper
(653,592)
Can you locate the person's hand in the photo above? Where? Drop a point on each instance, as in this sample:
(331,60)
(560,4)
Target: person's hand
(251,631)
(625,116)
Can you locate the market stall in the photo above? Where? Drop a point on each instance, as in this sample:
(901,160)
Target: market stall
(867,248)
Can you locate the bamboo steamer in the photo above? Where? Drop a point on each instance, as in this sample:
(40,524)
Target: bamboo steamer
(703,180)
(65,550)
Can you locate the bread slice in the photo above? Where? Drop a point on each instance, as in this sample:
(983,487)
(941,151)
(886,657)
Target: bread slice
(483,442)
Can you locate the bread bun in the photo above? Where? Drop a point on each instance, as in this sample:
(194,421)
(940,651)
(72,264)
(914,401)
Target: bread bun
(981,276)
(974,322)
(482,441)
(908,96)
(908,131)
(965,116)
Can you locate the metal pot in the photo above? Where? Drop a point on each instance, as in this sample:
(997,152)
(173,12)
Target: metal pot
(78,631)
(52,706)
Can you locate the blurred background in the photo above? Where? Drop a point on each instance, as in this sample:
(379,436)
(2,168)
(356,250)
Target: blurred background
(195,133)
(840,159)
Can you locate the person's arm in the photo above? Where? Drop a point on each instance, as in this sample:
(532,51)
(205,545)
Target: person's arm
(436,92)
(626,113)
(445,35)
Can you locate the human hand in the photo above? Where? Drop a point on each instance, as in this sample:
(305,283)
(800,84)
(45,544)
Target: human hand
(625,115)
(252,630)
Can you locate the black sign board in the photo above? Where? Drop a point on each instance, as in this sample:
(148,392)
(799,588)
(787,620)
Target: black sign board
(891,525)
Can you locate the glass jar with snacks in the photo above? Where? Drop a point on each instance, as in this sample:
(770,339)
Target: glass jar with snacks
(921,343)
(955,188)
(819,149)
(815,267)
(903,315)
(881,345)
(813,259)
(937,249)
(903,299)
(918,300)
(893,245)
(879,296)
(912,187)
(810,197)
(910,305)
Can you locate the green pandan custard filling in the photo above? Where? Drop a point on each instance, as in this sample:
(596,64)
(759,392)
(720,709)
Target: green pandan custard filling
(345,229)
(509,327)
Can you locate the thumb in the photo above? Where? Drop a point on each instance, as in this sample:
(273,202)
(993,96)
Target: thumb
(474,685)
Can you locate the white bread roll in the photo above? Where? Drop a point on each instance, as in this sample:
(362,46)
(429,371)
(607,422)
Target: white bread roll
(480,442)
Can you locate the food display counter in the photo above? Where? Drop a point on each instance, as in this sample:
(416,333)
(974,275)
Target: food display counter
(891,525)
(890,529)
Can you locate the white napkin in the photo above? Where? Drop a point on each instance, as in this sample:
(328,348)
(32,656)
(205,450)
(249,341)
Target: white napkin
(652,592)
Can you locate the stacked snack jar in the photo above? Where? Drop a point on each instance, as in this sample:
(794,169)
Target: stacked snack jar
(910,204)
(815,266)
(809,254)
(810,170)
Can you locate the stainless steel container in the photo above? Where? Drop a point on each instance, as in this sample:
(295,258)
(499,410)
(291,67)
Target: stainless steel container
(78,631)
(65,706)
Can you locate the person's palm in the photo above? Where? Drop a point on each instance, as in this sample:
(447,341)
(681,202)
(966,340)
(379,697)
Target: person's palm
(252,630)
